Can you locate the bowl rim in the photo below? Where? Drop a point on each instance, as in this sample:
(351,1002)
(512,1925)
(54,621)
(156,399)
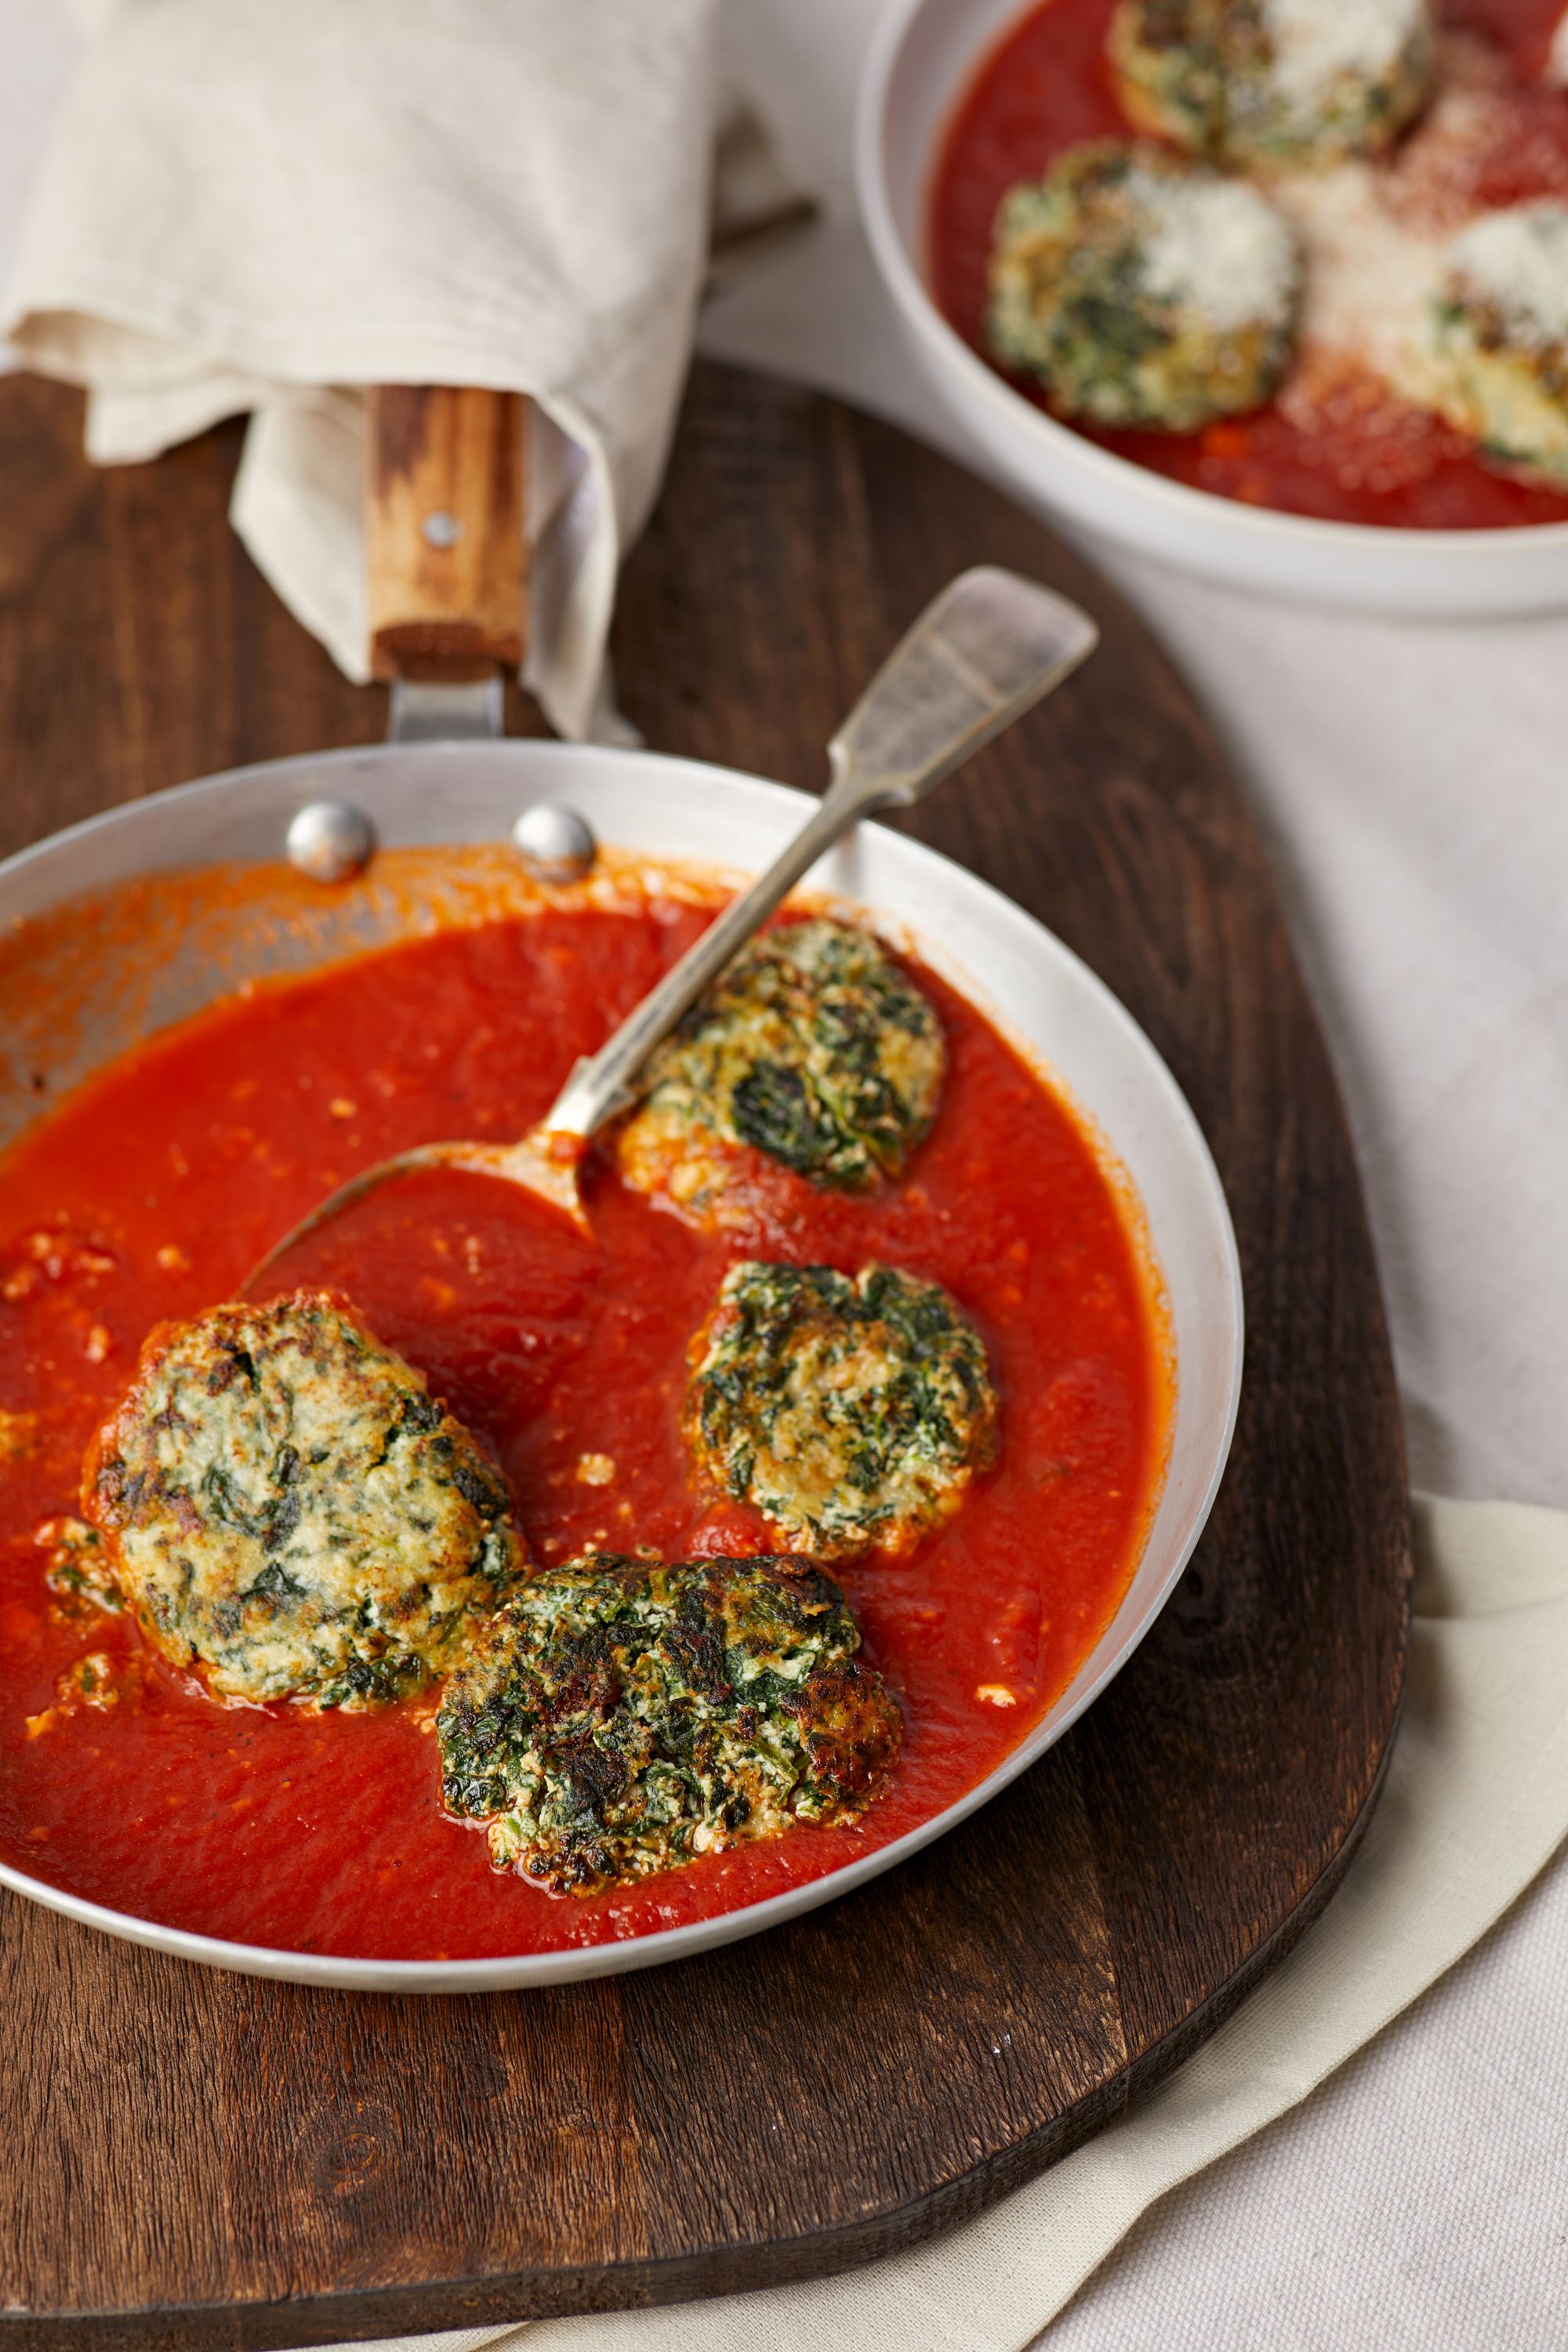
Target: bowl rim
(539,766)
(1058,442)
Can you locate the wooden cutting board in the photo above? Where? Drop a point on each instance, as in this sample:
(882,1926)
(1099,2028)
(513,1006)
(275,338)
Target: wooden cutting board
(194,2159)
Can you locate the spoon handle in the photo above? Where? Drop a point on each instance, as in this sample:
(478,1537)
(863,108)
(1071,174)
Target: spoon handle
(989,647)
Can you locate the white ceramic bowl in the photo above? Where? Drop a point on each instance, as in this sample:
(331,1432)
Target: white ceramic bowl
(922,59)
(675,809)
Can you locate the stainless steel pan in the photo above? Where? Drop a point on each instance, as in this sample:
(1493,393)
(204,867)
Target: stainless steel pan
(105,939)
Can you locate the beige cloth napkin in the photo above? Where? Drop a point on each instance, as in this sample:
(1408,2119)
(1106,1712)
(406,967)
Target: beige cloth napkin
(1474,1803)
(261,204)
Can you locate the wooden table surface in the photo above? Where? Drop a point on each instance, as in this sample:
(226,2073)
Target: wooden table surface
(190,2158)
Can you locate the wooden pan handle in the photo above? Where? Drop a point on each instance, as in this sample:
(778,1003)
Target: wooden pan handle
(445,554)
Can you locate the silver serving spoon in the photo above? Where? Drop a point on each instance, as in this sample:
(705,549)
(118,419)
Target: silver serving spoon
(986,650)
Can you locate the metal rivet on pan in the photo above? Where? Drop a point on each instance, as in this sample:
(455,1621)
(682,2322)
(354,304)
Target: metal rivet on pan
(555,843)
(441,529)
(329,841)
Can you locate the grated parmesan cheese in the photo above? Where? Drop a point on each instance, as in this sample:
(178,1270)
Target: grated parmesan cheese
(1518,260)
(1218,245)
(1374,272)
(1314,42)
(1379,234)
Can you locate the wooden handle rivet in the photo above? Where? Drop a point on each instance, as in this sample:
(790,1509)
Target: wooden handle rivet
(446,545)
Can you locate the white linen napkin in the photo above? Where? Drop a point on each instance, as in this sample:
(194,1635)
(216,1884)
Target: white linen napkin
(262,204)
(1475,1804)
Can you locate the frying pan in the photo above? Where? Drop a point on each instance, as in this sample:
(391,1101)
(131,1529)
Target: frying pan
(108,935)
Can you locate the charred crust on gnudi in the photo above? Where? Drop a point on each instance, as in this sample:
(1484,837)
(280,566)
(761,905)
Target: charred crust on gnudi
(620,1716)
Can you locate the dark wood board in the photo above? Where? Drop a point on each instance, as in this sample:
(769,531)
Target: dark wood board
(194,2159)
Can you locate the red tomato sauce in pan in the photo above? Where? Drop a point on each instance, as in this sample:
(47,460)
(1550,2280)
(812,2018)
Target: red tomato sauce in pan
(151,1191)
(1373,457)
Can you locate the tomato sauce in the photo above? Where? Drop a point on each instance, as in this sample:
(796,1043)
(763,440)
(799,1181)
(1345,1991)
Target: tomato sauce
(1369,457)
(151,1191)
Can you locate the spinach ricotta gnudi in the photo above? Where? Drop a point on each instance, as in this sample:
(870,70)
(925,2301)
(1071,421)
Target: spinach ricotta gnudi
(1141,289)
(851,1413)
(621,1716)
(814,1048)
(291,1513)
(1499,337)
(1257,82)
